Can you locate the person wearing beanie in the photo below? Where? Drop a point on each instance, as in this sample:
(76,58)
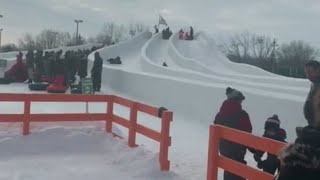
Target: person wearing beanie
(233,94)
(232,115)
(273,131)
(301,160)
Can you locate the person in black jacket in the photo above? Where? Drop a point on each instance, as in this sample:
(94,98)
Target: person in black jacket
(273,131)
(30,64)
(191,33)
(96,71)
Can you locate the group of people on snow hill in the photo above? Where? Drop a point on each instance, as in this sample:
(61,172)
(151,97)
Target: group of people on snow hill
(185,35)
(166,33)
(298,161)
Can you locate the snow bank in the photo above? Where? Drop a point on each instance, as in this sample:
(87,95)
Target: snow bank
(216,62)
(75,153)
(151,64)
(195,100)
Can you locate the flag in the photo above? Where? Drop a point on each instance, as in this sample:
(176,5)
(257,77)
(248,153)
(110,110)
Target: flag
(162,21)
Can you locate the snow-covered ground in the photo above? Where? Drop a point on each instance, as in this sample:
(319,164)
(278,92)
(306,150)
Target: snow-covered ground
(192,86)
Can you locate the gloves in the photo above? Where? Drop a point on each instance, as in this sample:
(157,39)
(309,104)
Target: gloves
(257,158)
(261,164)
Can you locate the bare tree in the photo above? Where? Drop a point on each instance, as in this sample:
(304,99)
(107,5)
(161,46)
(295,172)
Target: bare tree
(261,47)
(107,33)
(238,46)
(27,42)
(111,33)
(297,52)
(135,28)
(247,46)
(63,39)
(47,39)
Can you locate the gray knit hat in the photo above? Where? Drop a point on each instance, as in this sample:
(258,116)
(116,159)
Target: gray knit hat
(234,94)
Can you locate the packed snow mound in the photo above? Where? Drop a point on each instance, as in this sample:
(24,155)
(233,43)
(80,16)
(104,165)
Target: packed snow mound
(76,153)
(195,95)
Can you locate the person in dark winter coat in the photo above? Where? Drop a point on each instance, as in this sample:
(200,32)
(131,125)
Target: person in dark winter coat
(30,64)
(83,65)
(96,71)
(312,71)
(232,115)
(301,160)
(273,131)
(191,33)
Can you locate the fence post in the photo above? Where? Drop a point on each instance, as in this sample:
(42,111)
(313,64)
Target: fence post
(26,117)
(133,125)
(165,141)
(213,153)
(109,115)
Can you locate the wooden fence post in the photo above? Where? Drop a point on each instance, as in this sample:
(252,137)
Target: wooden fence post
(133,125)
(213,153)
(165,141)
(109,115)
(26,117)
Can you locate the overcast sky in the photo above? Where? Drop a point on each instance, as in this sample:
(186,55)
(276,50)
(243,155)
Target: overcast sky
(283,19)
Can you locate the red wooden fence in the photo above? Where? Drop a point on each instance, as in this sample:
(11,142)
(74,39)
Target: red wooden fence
(109,117)
(216,161)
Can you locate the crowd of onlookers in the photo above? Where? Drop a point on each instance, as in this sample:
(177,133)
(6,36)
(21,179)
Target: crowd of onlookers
(39,65)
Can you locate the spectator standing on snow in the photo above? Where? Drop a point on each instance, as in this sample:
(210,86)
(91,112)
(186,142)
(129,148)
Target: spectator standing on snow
(232,115)
(191,33)
(30,64)
(96,71)
(273,131)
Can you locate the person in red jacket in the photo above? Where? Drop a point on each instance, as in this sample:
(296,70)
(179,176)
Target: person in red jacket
(18,72)
(232,115)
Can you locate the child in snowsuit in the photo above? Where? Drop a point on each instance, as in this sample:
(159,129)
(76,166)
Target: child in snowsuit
(273,131)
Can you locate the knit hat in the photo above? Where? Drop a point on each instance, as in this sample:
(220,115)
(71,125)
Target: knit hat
(272,122)
(234,94)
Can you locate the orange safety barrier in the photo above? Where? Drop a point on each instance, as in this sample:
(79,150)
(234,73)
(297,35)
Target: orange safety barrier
(216,161)
(162,137)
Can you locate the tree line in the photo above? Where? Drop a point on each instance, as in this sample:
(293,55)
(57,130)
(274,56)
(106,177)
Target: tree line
(262,51)
(110,33)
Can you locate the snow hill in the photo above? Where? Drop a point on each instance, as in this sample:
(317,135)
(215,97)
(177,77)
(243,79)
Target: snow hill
(192,86)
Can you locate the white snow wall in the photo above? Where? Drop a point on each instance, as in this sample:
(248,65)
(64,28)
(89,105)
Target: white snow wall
(199,102)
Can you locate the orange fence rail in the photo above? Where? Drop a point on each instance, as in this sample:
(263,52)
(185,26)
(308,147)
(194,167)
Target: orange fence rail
(109,117)
(216,161)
